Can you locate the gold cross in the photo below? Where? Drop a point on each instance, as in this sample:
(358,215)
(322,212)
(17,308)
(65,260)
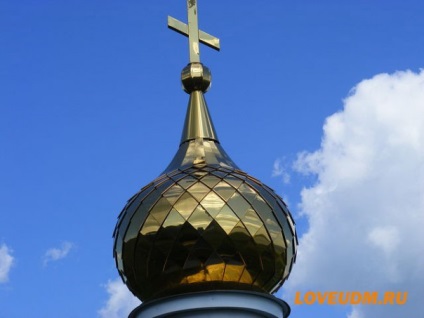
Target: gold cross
(192,31)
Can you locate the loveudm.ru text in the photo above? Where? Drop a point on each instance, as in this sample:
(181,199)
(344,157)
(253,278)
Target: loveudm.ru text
(351,298)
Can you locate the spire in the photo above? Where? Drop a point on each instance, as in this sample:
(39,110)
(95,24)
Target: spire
(198,124)
(195,77)
(199,141)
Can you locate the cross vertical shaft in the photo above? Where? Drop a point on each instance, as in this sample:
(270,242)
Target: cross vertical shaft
(193,31)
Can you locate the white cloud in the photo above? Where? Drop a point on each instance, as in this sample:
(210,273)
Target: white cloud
(366,210)
(279,170)
(6,262)
(120,303)
(55,254)
(385,238)
(356,313)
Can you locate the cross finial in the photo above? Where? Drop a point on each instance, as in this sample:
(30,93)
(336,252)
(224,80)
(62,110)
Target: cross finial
(192,31)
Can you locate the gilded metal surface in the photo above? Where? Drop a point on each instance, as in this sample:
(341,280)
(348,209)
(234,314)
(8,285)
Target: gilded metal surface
(204,37)
(195,36)
(203,224)
(196,77)
(198,123)
(204,227)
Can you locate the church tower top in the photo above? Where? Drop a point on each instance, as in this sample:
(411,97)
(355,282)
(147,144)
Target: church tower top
(203,224)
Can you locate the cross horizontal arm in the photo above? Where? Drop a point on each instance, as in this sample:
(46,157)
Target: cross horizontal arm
(204,37)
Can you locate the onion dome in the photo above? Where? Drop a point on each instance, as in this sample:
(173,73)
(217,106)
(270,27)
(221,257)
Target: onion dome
(203,224)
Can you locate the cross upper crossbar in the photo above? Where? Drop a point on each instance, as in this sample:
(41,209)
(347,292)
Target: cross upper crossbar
(192,32)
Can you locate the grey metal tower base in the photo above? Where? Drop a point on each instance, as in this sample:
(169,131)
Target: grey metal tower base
(214,304)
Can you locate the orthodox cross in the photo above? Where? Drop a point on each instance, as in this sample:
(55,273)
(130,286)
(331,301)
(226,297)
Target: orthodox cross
(192,31)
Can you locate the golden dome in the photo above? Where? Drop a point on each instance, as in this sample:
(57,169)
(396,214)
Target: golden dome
(203,224)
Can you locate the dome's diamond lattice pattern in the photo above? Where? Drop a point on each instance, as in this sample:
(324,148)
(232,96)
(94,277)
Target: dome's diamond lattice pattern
(202,228)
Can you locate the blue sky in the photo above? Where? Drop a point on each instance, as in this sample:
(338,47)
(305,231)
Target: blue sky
(92,110)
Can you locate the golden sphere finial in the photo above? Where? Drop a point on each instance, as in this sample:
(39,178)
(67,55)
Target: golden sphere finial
(196,77)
